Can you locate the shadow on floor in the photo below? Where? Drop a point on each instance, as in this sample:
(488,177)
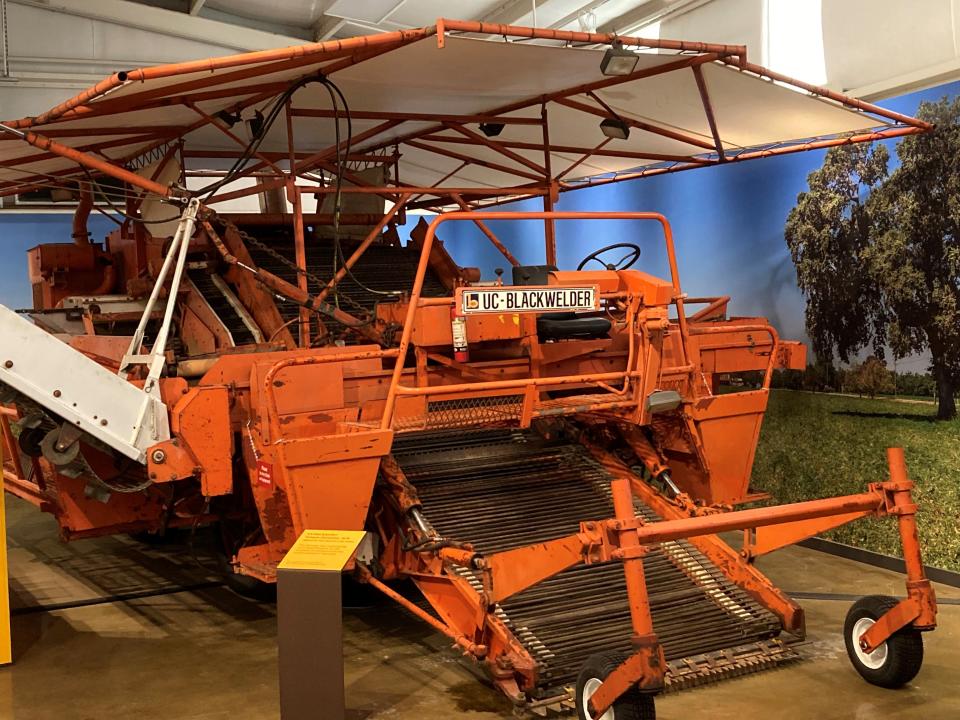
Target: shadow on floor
(118,569)
(887,416)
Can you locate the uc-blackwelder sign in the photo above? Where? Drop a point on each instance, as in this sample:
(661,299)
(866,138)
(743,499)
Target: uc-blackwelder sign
(476,300)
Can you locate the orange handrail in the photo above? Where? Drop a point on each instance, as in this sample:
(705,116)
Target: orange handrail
(415,300)
(756,327)
(517,384)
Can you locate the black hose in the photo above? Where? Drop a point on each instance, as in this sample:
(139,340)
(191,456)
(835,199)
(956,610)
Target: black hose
(341,163)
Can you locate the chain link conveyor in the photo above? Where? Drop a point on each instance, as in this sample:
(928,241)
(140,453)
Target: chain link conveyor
(502,489)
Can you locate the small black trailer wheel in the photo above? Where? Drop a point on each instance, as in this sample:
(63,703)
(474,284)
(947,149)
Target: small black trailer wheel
(244,585)
(898,660)
(632,705)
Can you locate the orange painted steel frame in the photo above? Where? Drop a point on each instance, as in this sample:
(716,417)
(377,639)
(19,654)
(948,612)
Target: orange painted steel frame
(6,649)
(348,454)
(626,537)
(415,296)
(510,572)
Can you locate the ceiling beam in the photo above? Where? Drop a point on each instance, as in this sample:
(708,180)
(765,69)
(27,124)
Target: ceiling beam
(647,13)
(326,27)
(167,22)
(636,17)
(575,15)
(510,12)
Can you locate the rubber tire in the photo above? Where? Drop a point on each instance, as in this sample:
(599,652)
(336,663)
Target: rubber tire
(245,586)
(632,705)
(250,588)
(904,647)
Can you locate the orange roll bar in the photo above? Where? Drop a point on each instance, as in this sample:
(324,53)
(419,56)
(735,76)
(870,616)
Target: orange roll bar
(516,215)
(769,329)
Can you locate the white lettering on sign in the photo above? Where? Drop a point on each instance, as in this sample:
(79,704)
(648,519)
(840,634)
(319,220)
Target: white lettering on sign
(264,473)
(473,301)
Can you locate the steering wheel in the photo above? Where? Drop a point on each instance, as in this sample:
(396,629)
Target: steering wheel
(623,263)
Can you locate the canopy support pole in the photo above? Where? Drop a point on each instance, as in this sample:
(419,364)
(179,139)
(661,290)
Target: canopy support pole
(549,229)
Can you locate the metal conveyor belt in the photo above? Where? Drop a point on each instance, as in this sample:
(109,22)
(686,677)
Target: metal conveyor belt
(382,268)
(501,489)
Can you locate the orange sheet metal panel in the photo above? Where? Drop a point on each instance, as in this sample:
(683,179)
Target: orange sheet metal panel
(83,516)
(309,388)
(330,479)
(729,427)
(431,325)
(201,420)
(791,355)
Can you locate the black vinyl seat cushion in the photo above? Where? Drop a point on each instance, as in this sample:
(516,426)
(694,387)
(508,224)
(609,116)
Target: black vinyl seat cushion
(561,326)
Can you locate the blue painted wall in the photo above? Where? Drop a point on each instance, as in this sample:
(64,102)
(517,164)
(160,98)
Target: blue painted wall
(19,233)
(727,221)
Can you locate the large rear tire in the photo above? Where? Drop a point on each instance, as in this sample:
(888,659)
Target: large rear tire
(632,705)
(898,660)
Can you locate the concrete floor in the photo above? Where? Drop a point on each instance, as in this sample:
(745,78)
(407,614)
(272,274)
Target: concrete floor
(209,655)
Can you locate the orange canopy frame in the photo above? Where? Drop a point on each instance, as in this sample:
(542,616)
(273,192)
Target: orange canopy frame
(417,101)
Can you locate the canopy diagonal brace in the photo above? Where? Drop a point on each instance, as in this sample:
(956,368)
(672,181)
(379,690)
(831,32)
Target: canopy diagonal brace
(88,161)
(708,111)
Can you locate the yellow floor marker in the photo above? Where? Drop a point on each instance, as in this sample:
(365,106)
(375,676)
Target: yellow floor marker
(6,654)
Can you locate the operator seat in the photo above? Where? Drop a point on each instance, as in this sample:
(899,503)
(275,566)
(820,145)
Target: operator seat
(559,326)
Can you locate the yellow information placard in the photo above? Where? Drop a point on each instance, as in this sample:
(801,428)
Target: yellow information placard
(322,550)
(6,651)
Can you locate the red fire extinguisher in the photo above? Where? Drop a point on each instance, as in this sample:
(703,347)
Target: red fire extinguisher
(458,324)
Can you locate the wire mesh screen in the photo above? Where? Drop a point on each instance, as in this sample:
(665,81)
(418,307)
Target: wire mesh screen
(465,412)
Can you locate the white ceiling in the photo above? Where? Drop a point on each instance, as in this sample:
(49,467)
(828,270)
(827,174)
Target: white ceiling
(322,19)
(303,13)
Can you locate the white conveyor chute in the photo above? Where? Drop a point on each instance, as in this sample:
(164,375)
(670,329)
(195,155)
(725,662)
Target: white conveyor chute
(70,385)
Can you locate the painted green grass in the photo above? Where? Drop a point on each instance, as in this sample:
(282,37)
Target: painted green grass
(814,446)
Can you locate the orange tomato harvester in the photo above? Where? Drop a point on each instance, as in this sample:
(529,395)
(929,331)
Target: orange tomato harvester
(548,456)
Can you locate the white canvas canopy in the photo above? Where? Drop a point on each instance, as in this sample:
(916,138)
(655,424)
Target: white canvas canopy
(426,101)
